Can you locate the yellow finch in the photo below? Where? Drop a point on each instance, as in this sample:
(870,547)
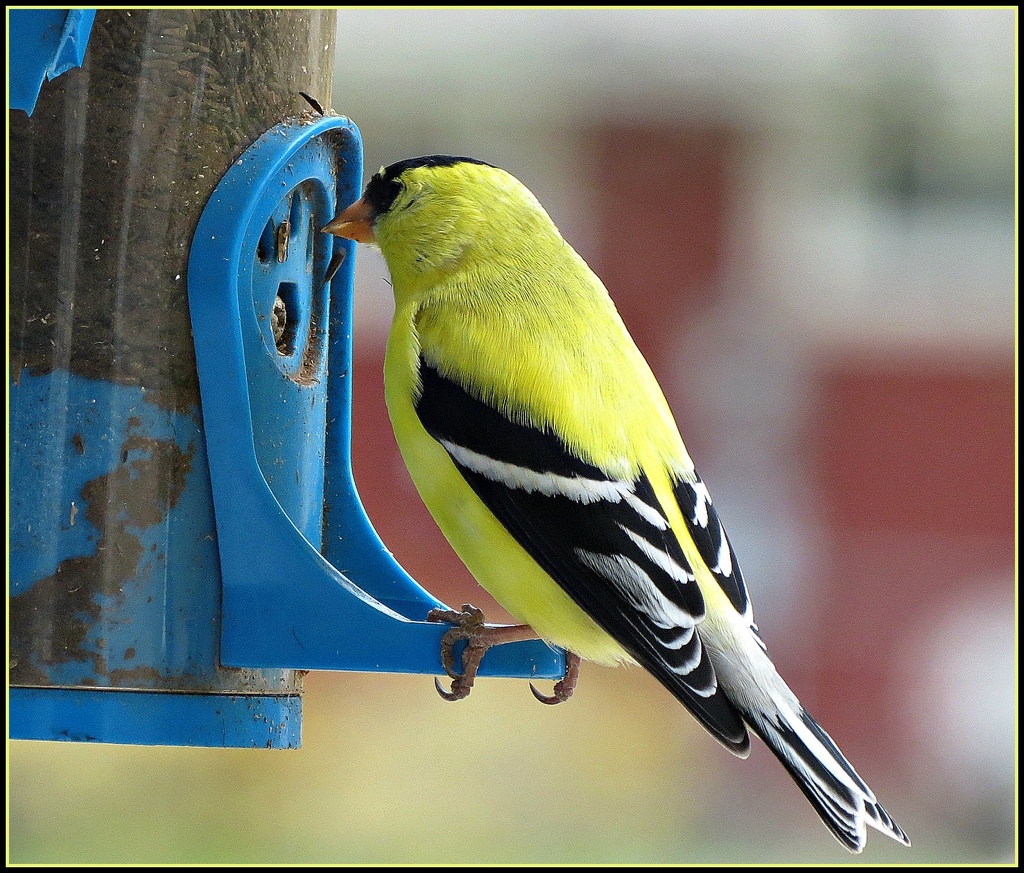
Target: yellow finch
(543,446)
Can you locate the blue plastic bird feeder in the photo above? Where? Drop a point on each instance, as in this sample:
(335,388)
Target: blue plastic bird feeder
(186,537)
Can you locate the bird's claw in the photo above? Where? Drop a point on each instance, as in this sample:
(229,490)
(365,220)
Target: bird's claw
(565,686)
(459,689)
(467,626)
(470,618)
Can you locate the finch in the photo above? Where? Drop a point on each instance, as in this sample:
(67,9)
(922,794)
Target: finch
(543,446)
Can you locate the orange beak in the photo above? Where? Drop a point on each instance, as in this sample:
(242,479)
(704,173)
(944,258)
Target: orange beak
(355,222)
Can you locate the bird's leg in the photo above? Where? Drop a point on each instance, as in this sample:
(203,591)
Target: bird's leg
(469,625)
(565,686)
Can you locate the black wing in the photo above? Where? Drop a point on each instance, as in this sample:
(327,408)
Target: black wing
(606,542)
(712,543)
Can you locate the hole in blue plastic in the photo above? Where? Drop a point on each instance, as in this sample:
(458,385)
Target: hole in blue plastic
(265,246)
(296,212)
(288,295)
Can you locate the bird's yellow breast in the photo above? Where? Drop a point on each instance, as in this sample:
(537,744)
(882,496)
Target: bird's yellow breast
(492,555)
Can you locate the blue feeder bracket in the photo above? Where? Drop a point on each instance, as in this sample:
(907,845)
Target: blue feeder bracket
(44,44)
(273,342)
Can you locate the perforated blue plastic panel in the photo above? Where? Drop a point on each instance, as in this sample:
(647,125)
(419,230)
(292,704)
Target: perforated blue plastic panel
(302,588)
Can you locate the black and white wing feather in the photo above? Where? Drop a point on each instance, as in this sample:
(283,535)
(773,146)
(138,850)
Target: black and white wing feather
(713,544)
(606,542)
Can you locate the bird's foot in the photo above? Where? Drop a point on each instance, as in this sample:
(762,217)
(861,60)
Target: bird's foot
(469,626)
(565,686)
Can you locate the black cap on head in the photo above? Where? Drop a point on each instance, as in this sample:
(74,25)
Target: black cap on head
(384,187)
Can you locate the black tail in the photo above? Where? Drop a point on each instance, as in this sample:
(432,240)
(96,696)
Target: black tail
(842,799)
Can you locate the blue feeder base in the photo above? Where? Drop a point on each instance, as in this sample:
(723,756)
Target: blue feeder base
(156,718)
